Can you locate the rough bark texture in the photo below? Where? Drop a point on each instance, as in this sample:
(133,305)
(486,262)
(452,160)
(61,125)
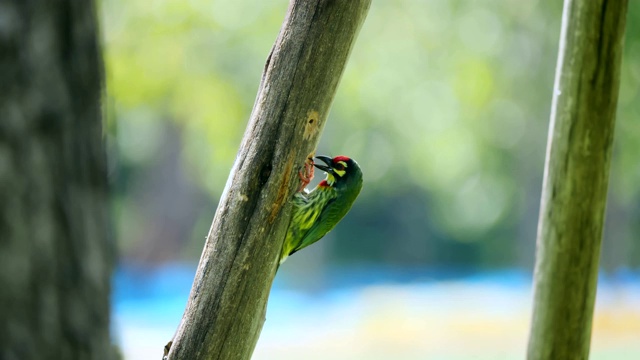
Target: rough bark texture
(55,254)
(576,177)
(226,307)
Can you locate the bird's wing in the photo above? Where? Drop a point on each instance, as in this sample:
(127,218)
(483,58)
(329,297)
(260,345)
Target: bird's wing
(321,226)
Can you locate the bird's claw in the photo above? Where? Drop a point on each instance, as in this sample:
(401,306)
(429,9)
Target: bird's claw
(307,176)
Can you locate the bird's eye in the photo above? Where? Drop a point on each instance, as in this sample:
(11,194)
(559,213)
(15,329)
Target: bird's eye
(339,167)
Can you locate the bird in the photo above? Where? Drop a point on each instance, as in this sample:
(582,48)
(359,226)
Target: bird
(317,212)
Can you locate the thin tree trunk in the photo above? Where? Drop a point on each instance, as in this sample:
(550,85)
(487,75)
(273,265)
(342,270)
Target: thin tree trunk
(226,307)
(55,253)
(576,176)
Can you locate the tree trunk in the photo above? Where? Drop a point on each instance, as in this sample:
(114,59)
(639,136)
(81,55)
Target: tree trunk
(576,176)
(226,307)
(55,252)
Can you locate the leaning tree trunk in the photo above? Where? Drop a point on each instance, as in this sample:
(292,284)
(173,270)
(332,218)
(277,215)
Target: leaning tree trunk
(55,254)
(576,176)
(226,307)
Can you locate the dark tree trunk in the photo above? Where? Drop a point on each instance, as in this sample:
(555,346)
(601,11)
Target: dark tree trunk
(576,175)
(226,307)
(55,253)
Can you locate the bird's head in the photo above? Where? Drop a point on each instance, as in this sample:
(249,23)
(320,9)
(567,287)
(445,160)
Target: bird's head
(340,170)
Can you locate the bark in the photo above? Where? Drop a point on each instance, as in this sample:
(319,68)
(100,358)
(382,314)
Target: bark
(576,176)
(55,254)
(226,307)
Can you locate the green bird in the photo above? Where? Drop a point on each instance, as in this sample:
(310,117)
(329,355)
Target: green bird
(317,212)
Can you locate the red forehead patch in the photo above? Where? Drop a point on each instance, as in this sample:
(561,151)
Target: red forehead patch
(340,158)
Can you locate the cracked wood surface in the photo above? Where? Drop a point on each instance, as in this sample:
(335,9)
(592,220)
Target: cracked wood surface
(227,304)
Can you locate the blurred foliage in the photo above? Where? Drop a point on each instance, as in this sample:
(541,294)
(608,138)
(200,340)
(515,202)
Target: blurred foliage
(444,104)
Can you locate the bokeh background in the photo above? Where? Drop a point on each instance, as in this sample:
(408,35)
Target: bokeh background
(445,106)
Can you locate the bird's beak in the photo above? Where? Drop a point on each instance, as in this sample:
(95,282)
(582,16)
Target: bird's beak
(327,160)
